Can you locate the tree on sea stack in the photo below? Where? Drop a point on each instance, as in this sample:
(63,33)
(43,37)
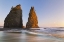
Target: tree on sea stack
(32,19)
(14,18)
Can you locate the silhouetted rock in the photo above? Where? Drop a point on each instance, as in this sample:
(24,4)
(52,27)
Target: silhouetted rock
(32,20)
(14,18)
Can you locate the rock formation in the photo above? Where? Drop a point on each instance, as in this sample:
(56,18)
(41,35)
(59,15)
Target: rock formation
(14,18)
(32,20)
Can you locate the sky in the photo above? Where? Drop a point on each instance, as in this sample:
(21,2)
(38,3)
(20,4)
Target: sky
(50,13)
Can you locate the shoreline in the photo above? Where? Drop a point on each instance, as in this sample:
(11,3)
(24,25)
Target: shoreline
(2,29)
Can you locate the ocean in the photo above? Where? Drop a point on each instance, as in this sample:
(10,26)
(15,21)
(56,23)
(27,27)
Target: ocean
(1,26)
(42,35)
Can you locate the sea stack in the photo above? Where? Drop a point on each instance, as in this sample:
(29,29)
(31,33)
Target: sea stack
(14,18)
(32,19)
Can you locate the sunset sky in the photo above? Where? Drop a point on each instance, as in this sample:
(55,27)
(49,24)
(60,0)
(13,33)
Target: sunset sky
(50,13)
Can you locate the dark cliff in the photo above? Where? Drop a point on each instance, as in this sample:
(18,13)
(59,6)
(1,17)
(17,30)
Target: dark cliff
(14,18)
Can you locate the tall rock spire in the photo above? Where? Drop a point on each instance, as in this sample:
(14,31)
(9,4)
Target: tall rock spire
(14,18)
(32,19)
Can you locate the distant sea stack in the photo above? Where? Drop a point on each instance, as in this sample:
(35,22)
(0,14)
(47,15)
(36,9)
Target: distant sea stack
(32,19)
(14,18)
